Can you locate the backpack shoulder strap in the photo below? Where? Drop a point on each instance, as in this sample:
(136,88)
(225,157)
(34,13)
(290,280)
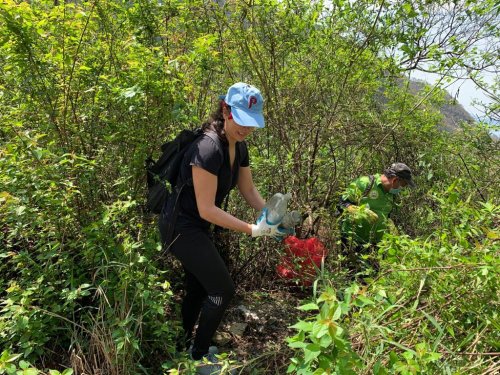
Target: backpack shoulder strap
(217,140)
(369,186)
(213,135)
(179,188)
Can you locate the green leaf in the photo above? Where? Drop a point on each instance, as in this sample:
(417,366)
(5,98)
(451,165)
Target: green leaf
(291,368)
(6,357)
(303,326)
(20,210)
(400,346)
(38,153)
(328,296)
(408,355)
(311,352)
(24,365)
(297,345)
(325,341)
(421,349)
(431,357)
(28,371)
(382,293)
(320,328)
(131,91)
(308,307)
(337,313)
(433,321)
(362,301)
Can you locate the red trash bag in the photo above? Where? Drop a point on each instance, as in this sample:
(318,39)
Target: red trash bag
(302,259)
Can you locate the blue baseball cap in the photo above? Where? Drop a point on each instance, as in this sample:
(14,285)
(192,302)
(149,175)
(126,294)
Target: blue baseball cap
(246,104)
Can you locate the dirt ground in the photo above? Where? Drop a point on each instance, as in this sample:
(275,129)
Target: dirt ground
(256,325)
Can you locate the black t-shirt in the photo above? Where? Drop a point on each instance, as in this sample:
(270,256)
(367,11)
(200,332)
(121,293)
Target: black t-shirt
(212,155)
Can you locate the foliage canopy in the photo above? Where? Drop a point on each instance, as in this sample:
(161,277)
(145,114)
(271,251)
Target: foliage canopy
(89,89)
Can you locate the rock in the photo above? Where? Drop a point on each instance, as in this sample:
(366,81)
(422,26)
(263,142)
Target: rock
(247,314)
(238,329)
(222,338)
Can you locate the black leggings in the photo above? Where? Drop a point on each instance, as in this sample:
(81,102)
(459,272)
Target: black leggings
(209,287)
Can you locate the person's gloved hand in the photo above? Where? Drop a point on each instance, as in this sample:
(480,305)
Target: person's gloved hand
(284,232)
(263,228)
(357,213)
(371,216)
(353,209)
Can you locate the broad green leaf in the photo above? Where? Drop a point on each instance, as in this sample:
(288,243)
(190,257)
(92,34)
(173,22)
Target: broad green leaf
(308,307)
(311,352)
(303,326)
(431,357)
(337,313)
(297,345)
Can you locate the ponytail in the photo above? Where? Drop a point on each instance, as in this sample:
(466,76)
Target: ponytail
(216,122)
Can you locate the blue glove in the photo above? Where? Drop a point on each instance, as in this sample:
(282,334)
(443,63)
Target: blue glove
(284,232)
(263,228)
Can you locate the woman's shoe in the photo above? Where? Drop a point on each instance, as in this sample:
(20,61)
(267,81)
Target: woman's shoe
(209,365)
(211,350)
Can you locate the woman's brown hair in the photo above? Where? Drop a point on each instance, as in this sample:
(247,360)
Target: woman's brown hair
(216,122)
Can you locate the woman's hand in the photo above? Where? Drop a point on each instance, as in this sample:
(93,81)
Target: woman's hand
(263,228)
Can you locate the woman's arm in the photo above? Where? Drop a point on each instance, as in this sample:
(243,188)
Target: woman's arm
(205,188)
(248,190)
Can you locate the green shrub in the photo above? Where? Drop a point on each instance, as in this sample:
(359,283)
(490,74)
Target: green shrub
(432,309)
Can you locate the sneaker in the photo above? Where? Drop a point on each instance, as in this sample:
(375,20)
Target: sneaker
(211,350)
(209,365)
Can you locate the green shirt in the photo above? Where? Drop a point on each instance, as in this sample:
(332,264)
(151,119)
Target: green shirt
(377,200)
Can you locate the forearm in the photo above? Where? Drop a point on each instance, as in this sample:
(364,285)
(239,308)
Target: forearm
(219,217)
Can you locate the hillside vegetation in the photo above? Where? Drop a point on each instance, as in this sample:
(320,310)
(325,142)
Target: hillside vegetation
(90,89)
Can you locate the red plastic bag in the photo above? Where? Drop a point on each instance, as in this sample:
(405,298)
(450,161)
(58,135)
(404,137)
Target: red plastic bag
(302,259)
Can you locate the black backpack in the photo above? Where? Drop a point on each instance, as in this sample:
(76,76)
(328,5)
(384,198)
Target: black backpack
(165,170)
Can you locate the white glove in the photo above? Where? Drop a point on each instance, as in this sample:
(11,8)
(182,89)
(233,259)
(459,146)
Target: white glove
(263,228)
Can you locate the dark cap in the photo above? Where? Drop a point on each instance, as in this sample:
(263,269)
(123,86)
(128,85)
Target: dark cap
(401,171)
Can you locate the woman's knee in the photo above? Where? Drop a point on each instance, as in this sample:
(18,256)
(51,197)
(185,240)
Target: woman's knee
(223,297)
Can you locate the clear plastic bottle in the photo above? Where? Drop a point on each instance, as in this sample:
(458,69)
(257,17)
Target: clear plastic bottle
(291,220)
(276,207)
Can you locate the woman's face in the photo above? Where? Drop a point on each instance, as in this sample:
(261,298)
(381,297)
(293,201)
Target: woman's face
(234,131)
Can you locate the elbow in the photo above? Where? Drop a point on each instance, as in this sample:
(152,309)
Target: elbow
(206,213)
(203,214)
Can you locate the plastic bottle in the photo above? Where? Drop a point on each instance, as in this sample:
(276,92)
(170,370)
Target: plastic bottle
(276,207)
(291,219)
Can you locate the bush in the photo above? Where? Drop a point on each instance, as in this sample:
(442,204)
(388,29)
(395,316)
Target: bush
(431,310)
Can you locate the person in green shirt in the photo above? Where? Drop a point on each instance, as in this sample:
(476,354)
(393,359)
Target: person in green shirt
(366,204)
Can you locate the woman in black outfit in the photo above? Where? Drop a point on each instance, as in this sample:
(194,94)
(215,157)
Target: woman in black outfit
(217,162)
